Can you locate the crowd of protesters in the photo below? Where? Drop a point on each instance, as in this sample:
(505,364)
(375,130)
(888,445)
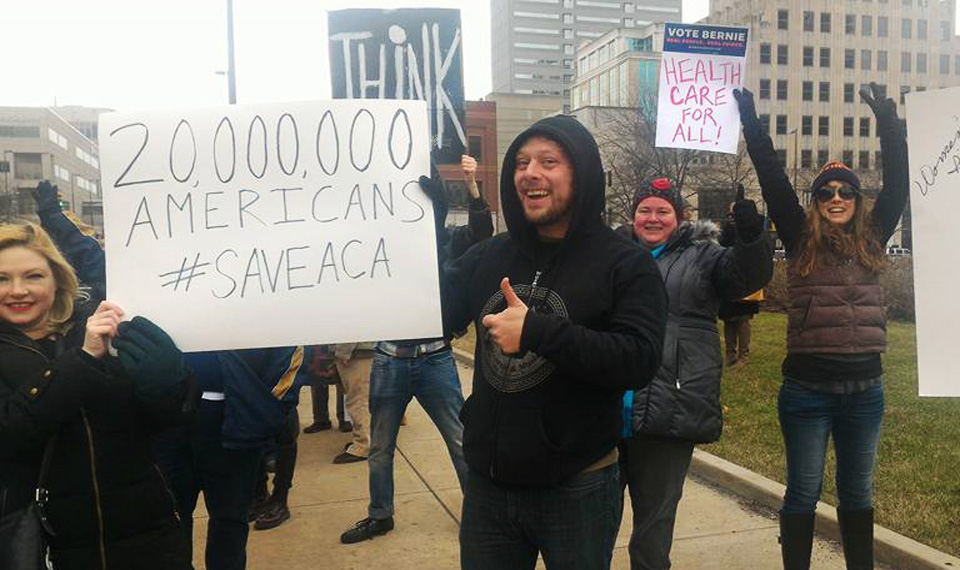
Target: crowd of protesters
(597,369)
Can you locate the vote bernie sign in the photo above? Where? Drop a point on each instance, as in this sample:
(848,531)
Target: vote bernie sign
(404,54)
(272,225)
(700,68)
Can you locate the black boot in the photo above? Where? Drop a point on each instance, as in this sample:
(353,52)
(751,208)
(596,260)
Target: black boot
(796,540)
(856,529)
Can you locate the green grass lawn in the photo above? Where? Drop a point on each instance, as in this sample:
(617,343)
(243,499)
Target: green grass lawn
(918,469)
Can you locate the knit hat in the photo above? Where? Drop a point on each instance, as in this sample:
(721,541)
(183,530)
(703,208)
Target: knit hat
(659,188)
(835,170)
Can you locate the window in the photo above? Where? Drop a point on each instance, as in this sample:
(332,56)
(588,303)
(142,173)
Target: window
(877,159)
(825,22)
(764,53)
(782,55)
(921,63)
(808,21)
(824,92)
(808,90)
(476,147)
(783,19)
(945,31)
(921,29)
(764,88)
(944,65)
(628,22)
(882,26)
(628,8)
(781,89)
(848,92)
(824,57)
(850,24)
(782,157)
(568,49)
(866,57)
(567,34)
(863,161)
(847,158)
(765,123)
(823,126)
(806,123)
(881,60)
(956,65)
(849,59)
(568,18)
(781,124)
(823,156)
(866,26)
(568,4)
(848,127)
(906,59)
(905,28)
(864,127)
(806,156)
(807,56)
(904,89)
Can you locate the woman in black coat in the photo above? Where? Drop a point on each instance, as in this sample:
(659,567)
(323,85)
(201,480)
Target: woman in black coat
(108,504)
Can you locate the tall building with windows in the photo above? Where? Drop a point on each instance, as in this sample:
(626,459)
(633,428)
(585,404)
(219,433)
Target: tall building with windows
(535,41)
(808,60)
(618,69)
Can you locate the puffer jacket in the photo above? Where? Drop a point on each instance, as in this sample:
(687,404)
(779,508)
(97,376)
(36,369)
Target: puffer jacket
(683,400)
(108,503)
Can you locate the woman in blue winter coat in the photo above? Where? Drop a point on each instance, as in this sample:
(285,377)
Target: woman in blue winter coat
(681,406)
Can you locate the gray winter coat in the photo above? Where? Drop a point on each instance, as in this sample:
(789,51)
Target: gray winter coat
(683,400)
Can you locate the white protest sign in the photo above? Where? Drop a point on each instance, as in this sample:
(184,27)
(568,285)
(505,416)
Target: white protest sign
(933,121)
(272,225)
(699,69)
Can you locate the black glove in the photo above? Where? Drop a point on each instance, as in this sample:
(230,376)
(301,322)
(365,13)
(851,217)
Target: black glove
(748,221)
(433,188)
(47,198)
(149,356)
(884,108)
(748,109)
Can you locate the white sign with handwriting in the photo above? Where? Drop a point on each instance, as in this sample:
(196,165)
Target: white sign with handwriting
(933,121)
(272,225)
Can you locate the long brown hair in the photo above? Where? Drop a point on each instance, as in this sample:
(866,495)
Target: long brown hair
(31,236)
(857,239)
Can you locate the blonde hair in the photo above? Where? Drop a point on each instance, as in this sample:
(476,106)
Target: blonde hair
(32,237)
(857,239)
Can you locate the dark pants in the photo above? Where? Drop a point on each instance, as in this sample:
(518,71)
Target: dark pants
(736,337)
(286,460)
(573,525)
(320,399)
(194,460)
(654,469)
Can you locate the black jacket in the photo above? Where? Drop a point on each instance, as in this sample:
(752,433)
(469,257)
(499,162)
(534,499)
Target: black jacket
(595,327)
(108,503)
(683,400)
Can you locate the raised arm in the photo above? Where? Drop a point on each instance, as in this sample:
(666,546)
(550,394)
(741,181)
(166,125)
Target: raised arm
(896,176)
(778,193)
(747,264)
(82,251)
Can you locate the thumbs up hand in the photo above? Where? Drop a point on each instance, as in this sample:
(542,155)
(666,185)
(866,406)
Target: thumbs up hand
(506,327)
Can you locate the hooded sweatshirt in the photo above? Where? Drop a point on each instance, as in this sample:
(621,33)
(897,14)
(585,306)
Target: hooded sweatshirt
(595,327)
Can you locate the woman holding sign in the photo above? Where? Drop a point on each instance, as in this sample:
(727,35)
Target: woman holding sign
(75,421)
(836,329)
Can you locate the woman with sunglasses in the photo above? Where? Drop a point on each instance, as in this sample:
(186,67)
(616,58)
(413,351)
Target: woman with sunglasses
(836,329)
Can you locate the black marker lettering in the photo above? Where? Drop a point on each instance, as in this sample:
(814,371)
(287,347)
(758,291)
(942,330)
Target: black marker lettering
(292,268)
(286,212)
(296,140)
(254,259)
(343,259)
(187,204)
(355,199)
(207,210)
(233,286)
(145,208)
(378,194)
(263,135)
(276,272)
(403,192)
(119,183)
(380,257)
(233,150)
(173,144)
(336,143)
(353,142)
(409,140)
(245,205)
(313,206)
(328,261)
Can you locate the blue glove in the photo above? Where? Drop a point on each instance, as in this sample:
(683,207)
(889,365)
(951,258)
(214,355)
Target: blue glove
(47,198)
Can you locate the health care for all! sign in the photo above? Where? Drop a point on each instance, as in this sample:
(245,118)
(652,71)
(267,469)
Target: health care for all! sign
(404,54)
(933,120)
(272,225)
(699,69)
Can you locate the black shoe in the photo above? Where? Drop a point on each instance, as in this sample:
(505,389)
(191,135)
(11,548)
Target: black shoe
(259,506)
(272,517)
(367,529)
(318,426)
(346,427)
(347,458)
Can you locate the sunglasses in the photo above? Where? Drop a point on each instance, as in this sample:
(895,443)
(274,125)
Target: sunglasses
(825,194)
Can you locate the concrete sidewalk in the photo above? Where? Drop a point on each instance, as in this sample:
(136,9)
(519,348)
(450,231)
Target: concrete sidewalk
(715,530)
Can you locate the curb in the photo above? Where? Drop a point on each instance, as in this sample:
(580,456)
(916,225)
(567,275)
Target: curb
(890,548)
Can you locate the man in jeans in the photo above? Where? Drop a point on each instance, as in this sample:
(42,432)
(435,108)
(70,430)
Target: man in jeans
(568,315)
(421,368)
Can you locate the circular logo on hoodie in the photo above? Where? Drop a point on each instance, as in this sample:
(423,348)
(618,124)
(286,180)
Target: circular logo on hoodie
(518,372)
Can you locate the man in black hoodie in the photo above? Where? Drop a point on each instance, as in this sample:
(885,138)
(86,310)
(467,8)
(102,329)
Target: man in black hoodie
(568,315)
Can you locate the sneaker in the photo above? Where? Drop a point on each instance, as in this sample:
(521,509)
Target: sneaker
(346,427)
(367,529)
(347,458)
(272,517)
(318,426)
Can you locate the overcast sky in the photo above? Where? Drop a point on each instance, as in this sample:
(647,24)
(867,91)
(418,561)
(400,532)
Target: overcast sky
(125,54)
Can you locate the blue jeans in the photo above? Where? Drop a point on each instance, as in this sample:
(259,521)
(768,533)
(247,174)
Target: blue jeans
(807,420)
(433,380)
(573,525)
